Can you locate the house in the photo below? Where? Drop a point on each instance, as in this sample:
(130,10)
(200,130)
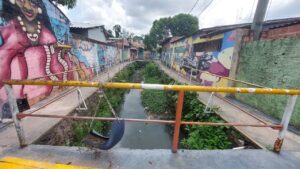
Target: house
(166,49)
(215,49)
(91,31)
(137,50)
(122,43)
(272,61)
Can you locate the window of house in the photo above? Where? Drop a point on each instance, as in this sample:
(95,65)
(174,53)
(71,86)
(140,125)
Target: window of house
(210,46)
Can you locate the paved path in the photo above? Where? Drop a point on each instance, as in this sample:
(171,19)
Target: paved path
(35,127)
(119,158)
(265,137)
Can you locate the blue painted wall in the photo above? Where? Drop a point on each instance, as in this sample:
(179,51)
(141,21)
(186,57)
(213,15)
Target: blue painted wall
(60,24)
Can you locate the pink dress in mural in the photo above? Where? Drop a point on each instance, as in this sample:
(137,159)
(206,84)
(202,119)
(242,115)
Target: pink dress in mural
(21,59)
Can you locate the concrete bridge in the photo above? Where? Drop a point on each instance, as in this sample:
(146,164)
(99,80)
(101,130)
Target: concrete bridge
(136,158)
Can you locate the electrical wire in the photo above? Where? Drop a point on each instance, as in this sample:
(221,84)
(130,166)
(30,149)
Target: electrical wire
(193,6)
(268,9)
(251,12)
(205,8)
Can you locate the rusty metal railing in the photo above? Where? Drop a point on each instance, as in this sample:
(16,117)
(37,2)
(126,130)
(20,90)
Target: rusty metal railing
(177,122)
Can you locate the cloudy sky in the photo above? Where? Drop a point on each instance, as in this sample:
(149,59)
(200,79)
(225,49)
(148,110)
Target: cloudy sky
(137,15)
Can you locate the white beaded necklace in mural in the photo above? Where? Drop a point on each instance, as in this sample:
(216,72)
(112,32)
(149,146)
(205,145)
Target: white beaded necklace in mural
(32,36)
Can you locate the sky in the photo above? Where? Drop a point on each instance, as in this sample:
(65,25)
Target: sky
(137,15)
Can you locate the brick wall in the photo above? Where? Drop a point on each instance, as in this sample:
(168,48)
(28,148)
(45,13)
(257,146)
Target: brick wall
(278,33)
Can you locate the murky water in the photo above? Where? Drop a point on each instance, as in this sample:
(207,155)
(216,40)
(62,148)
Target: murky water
(142,135)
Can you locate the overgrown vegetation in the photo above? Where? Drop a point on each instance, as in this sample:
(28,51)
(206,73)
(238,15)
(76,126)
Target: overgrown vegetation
(178,25)
(115,96)
(196,136)
(201,136)
(162,104)
(156,101)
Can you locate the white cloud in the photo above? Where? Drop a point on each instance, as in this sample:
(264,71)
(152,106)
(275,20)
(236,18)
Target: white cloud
(137,15)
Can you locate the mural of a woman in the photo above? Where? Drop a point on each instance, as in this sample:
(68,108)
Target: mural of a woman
(28,49)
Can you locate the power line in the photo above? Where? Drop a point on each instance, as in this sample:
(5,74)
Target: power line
(194,6)
(205,7)
(251,13)
(268,9)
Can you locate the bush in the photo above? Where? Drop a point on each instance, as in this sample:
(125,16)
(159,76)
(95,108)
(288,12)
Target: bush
(206,137)
(154,100)
(152,71)
(203,137)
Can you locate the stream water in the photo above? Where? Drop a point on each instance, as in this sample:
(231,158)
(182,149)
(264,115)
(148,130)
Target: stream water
(142,135)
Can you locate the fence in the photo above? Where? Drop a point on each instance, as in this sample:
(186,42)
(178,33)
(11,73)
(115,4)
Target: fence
(177,122)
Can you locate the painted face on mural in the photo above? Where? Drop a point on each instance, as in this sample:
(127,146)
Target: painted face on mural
(29,8)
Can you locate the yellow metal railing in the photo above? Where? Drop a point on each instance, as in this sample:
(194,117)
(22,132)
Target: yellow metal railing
(180,88)
(155,87)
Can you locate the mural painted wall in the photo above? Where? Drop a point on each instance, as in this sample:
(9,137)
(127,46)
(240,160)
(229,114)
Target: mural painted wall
(28,47)
(112,55)
(86,52)
(59,23)
(182,57)
(166,56)
(101,55)
(30,34)
(93,57)
(275,64)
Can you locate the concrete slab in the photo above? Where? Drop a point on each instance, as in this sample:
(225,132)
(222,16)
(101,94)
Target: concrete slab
(158,158)
(264,137)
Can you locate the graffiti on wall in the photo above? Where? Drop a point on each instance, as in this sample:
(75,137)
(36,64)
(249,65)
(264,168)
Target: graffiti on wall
(166,56)
(194,63)
(59,22)
(86,52)
(113,55)
(92,57)
(101,54)
(28,49)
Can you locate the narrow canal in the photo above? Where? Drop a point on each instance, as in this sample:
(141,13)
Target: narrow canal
(138,135)
(142,135)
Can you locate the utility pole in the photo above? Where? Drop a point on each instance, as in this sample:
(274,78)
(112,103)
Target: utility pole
(259,17)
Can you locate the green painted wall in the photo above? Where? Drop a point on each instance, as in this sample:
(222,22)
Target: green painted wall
(275,64)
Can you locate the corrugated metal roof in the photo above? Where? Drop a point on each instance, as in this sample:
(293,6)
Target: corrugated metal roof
(84,25)
(269,24)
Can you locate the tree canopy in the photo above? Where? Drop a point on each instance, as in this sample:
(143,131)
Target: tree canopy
(68,3)
(117,29)
(178,25)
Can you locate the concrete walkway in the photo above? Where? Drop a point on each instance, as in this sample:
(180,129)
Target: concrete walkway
(35,127)
(119,158)
(264,137)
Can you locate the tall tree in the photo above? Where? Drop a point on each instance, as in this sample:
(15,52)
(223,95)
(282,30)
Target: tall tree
(68,3)
(183,25)
(179,25)
(117,29)
(149,43)
(138,38)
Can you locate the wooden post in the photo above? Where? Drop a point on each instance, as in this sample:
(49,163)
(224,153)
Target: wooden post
(14,111)
(177,121)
